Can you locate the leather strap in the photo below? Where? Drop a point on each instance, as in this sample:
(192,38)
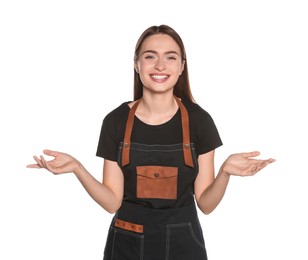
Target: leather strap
(185,128)
(186,134)
(128,133)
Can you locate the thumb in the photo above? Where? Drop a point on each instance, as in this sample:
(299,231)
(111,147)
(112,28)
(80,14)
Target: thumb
(50,152)
(251,154)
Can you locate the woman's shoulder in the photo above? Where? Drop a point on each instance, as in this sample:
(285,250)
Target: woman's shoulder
(195,110)
(118,113)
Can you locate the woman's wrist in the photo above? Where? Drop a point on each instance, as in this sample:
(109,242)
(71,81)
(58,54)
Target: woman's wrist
(223,170)
(78,168)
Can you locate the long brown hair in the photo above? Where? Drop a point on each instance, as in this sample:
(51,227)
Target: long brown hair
(182,87)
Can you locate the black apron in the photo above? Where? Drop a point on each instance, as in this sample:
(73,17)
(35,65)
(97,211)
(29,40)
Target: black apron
(157,175)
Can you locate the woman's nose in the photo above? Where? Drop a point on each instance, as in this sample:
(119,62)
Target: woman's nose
(159,65)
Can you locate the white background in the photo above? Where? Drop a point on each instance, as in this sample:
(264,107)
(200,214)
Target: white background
(65,64)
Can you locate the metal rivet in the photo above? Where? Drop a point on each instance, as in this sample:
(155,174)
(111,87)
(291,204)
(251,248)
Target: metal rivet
(186,146)
(126,145)
(156,175)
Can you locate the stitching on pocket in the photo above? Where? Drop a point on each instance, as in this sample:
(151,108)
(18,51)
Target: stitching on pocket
(180,225)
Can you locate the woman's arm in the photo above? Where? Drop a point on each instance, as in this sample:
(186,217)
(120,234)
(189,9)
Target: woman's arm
(209,190)
(108,194)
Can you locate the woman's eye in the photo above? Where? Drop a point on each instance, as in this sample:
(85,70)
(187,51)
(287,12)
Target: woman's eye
(171,58)
(149,57)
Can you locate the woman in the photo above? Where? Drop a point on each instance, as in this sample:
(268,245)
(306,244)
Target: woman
(158,159)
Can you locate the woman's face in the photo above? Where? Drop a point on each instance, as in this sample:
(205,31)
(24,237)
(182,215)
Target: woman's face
(159,63)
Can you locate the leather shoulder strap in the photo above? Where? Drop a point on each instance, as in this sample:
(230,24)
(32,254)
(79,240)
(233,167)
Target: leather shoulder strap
(186,134)
(128,133)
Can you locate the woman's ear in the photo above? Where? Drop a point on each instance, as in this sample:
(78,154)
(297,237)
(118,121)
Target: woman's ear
(183,66)
(136,67)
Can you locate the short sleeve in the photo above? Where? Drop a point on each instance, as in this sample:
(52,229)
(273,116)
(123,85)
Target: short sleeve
(112,132)
(208,135)
(204,133)
(107,145)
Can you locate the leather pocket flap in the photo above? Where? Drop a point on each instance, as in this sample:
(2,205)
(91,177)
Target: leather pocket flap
(157,172)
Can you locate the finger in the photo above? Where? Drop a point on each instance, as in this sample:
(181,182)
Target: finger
(50,152)
(44,162)
(267,162)
(261,161)
(260,164)
(251,154)
(39,163)
(36,166)
(264,162)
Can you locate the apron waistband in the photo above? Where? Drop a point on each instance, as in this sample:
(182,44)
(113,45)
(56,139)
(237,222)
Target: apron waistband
(156,218)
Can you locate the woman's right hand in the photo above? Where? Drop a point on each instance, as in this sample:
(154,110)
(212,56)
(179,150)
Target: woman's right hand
(62,162)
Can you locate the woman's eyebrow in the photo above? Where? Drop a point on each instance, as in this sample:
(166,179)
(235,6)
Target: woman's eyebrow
(155,52)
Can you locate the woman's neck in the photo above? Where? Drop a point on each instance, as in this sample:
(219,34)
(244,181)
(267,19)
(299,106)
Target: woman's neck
(158,109)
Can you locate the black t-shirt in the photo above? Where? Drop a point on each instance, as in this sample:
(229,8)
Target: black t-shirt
(203,131)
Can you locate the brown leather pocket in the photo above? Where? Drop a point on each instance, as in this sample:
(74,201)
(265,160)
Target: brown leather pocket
(159,182)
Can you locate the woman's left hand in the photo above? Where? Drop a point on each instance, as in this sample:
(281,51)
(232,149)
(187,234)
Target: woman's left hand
(243,164)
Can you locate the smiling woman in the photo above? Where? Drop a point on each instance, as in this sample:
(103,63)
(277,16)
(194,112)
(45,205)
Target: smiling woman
(159,64)
(158,155)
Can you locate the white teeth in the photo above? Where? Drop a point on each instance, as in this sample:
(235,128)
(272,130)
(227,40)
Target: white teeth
(159,76)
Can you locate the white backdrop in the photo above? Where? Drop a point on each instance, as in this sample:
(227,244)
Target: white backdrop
(65,64)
